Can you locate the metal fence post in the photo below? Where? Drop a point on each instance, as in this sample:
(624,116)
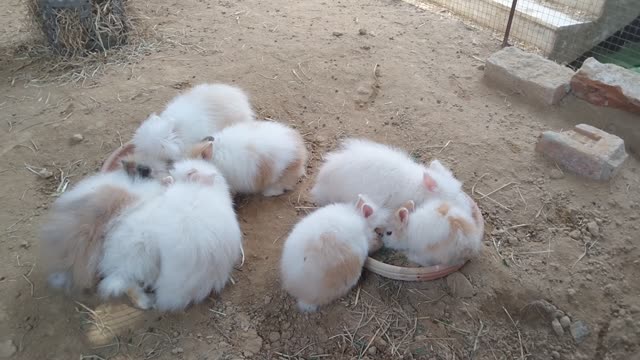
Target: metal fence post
(505,41)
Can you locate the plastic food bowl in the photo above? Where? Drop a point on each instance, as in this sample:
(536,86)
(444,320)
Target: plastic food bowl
(415,273)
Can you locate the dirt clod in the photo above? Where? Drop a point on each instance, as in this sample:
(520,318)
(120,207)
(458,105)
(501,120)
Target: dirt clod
(459,285)
(580,331)
(76,139)
(7,349)
(557,327)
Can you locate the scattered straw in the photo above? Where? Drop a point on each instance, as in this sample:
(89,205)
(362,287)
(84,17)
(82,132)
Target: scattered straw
(522,357)
(586,250)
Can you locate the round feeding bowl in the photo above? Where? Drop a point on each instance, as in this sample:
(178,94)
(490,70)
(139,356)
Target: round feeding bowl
(420,273)
(113,161)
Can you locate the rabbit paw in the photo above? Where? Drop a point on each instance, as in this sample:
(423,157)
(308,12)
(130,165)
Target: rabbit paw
(112,286)
(306,308)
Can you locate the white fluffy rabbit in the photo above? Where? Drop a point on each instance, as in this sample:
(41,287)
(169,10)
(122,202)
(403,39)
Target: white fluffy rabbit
(437,232)
(174,250)
(324,254)
(387,175)
(189,117)
(73,235)
(258,157)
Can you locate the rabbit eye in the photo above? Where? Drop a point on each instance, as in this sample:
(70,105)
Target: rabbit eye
(389,233)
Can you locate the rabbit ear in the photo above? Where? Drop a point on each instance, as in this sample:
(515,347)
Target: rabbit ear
(410,205)
(361,205)
(194,176)
(203,150)
(429,182)
(367,211)
(402,215)
(168,181)
(129,167)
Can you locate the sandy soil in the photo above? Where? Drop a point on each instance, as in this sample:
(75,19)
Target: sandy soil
(555,244)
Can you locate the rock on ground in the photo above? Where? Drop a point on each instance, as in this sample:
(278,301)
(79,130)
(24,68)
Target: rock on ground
(537,78)
(7,349)
(607,85)
(584,150)
(580,331)
(459,285)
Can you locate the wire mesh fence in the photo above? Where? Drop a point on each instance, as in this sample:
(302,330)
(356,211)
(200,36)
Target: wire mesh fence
(567,31)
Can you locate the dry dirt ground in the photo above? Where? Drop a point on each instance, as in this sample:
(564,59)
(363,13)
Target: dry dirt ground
(412,78)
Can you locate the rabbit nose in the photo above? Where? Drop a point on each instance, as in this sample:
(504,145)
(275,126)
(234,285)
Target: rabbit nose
(144,171)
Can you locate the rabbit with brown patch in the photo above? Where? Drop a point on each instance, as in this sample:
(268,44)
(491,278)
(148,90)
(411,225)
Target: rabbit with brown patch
(437,232)
(202,110)
(323,256)
(258,157)
(74,233)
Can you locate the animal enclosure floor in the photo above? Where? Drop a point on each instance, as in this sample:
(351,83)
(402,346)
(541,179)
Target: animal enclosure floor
(379,69)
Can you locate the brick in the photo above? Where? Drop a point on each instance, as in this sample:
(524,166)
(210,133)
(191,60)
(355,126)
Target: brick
(584,150)
(540,80)
(607,85)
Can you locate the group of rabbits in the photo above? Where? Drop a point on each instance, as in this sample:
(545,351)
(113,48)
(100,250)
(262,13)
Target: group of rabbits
(160,227)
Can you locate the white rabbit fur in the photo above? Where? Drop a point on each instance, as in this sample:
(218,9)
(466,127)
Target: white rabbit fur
(258,157)
(73,235)
(187,119)
(323,256)
(387,175)
(437,232)
(182,245)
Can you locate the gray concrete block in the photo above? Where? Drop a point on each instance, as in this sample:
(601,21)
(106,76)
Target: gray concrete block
(538,79)
(584,150)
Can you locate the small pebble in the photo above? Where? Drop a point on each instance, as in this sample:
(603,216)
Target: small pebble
(337,34)
(593,228)
(557,327)
(575,234)
(76,139)
(362,31)
(177,350)
(45,174)
(372,350)
(480,67)
(565,322)
(555,355)
(580,331)
(274,336)
(556,174)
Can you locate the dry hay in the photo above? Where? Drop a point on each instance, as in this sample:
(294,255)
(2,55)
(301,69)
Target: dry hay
(101,25)
(90,48)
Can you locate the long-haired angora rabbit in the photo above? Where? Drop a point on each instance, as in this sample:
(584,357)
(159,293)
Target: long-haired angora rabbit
(73,234)
(437,232)
(205,109)
(324,254)
(174,250)
(258,157)
(387,175)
